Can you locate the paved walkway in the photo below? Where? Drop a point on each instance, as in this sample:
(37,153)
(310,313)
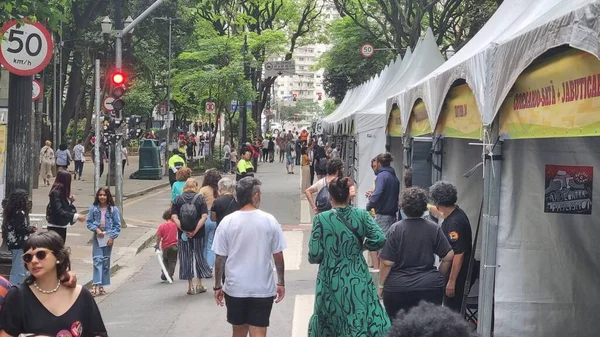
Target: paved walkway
(84,189)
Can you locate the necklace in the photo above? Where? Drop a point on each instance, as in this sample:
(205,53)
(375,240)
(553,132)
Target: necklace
(46,291)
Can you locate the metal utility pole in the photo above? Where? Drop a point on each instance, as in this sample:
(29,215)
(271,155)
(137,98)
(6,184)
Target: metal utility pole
(54,103)
(168,121)
(243,114)
(97,157)
(60,91)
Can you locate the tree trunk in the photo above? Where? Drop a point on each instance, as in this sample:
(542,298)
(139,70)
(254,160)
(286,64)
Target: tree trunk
(75,86)
(87,130)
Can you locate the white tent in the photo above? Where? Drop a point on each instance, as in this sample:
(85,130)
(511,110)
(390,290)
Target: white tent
(541,268)
(519,32)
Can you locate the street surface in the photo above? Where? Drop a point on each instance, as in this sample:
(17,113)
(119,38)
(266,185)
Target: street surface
(139,304)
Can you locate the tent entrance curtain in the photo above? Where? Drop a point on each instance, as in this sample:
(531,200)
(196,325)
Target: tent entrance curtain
(421,162)
(547,282)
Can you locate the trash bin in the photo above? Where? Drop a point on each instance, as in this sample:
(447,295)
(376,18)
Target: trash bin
(149,160)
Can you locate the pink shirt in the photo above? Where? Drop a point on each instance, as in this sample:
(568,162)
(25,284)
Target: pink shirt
(168,233)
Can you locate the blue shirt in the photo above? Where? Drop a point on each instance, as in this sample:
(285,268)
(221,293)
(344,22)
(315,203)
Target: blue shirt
(176,190)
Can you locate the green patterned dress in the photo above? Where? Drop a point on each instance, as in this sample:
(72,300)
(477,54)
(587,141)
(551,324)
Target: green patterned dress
(346,301)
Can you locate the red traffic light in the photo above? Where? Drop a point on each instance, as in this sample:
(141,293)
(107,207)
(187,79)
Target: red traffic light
(118,78)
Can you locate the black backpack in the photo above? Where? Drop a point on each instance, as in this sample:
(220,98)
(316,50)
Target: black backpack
(188,214)
(322,200)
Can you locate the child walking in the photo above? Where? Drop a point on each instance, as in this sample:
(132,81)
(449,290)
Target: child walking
(166,240)
(104,221)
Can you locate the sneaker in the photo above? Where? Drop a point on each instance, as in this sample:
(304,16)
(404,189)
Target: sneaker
(163,277)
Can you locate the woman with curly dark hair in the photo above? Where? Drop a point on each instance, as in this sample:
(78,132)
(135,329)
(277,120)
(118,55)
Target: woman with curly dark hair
(407,274)
(42,306)
(210,192)
(16,230)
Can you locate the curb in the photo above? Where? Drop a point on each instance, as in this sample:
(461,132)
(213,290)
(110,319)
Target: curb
(146,190)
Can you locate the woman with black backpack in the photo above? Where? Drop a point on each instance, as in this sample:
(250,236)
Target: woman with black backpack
(321,203)
(60,211)
(189,213)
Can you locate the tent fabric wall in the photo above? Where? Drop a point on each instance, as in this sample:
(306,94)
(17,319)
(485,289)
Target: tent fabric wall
(370,144)
(458,158)
(549,266)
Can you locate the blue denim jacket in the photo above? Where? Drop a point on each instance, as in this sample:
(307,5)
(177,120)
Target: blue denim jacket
(112,223)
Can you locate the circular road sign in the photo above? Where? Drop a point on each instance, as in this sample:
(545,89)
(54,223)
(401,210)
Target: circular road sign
(367,50)
(36,91)
(27,49)
(108,103)
(210,107)
(268,66)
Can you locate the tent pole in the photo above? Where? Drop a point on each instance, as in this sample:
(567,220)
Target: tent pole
(491,211)
(437,147)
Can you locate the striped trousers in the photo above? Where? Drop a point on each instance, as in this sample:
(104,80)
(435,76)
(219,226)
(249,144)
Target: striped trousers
(191,258)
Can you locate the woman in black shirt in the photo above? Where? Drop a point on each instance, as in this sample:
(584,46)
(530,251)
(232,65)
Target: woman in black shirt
(60,211)
(42,305)
(16,230)
(225,204)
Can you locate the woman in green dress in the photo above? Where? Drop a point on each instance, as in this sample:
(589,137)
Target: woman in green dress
(346,301)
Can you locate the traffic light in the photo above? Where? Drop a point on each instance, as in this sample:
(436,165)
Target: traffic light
(320,94)
(295,97)
(133,128)
(118,80)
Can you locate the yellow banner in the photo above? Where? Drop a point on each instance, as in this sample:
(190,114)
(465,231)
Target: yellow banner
(419,122)
(394,126)
(460,117)
(559,97)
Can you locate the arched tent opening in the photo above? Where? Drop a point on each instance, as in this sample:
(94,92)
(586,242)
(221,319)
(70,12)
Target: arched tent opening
(394,143)
(418,144)
(548,233)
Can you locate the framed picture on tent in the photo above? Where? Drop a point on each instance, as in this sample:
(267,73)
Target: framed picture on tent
(568,189)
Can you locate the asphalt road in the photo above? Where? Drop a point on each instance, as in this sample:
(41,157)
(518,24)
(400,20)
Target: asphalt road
(139,304)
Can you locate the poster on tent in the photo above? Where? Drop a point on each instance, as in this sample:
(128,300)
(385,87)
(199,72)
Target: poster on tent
(568,189)
(394,127)
(555,98)
(460,117)
(419,122)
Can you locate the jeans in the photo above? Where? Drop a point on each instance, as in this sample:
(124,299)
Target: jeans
(17,271)
(78,168)
(209,234)
(226,165)
(405,300)
(101,260)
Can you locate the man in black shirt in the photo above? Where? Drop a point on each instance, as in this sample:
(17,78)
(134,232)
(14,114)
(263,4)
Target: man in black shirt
(457,228)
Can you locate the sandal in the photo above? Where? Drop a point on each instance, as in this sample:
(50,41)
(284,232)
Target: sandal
(200,289)
(102,291)
(191,292)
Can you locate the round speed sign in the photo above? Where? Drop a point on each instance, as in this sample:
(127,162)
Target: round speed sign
(367,50)
(26,49)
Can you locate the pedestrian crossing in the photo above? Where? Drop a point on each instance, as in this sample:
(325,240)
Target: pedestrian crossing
(293,253)
(303,309)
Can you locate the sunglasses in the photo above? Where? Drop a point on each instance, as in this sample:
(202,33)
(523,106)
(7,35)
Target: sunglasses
(40,255)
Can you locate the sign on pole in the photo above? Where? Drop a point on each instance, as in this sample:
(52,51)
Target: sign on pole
(280,68)
(210,107)
(36,90)
(27,49)
(367,50)
(108,104)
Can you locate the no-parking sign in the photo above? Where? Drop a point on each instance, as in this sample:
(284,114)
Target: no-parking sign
(26,49)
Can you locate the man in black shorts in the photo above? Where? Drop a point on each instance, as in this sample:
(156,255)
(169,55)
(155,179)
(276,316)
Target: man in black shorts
(246,244)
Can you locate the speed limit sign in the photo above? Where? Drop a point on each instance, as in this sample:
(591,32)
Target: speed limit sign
(25,49)
(367,50)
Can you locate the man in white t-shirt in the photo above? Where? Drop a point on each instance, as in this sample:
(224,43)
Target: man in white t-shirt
(246,244)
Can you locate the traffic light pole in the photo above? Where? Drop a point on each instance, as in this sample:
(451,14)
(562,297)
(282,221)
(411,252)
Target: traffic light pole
(121,32)
(97,157)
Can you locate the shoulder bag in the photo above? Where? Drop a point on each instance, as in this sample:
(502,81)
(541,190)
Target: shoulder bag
(349,226)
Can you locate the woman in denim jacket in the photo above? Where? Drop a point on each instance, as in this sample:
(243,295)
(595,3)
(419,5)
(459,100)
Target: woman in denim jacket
(104,221)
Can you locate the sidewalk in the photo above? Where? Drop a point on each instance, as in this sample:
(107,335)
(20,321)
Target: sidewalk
(83,190)
(132,239)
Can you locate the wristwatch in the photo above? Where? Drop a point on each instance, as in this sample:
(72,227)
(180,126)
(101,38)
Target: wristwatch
(380,286)
(217,288)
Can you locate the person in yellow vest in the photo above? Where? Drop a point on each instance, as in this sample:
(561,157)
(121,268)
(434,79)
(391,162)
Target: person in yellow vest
(244,166)
(176,161)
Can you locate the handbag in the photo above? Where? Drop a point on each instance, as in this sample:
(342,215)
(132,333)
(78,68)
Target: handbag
(349,226)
